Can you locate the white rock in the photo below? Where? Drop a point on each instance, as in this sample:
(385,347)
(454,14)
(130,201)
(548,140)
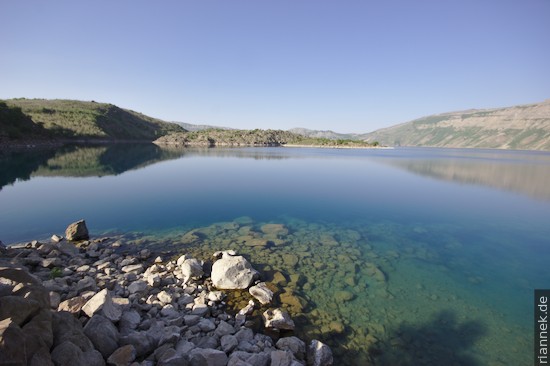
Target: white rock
(191,268)
(216,296)
(232,272)
(164,297)
(56,238)
(133,268)
(103,302)
(278,319)
(262,293)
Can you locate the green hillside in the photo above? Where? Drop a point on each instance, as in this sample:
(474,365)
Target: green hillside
(32,119)
(525,127)
(218,137)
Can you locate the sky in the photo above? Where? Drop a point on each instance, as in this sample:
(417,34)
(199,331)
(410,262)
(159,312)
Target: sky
(346,66)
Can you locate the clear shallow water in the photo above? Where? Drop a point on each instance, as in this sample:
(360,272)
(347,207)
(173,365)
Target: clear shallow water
(405,256)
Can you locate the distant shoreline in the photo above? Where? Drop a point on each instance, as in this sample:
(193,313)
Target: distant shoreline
(336,146)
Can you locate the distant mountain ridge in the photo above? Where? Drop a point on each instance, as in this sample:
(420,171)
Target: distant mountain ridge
(192,127)
(326,134)
(522,127)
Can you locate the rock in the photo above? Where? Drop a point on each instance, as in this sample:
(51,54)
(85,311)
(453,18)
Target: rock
(228,343)
(86,284)
(123,356)
(103,302)
(12,344)
(67,249)
(343,296)
(103,334)
(263,294)
(164,297)
(216,296)
(55,299)
(56,238)
(319,354)
(77,231)
(133,268)
(72,305)
(232,272)
(200,310)
(240,318)
(281,358)
(137,287)
(224,328)
(294,345)
(142,343)
(67,328)
(208,357)
(68,354)
(51,262)
(129,321)
(191,268)
(274,230)
(278,319)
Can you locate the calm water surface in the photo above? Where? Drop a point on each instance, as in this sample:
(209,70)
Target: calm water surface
(393,257)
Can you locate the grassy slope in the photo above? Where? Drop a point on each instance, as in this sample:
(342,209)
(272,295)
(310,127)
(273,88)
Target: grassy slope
(524,127)
(217,137)
(70,119)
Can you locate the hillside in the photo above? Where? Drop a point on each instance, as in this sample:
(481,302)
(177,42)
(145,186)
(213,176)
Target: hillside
(217,137)
(192,127)
(524,127)
(325,134)
(40,119)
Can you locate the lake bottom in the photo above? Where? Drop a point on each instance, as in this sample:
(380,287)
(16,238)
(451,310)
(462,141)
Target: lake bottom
(380,292)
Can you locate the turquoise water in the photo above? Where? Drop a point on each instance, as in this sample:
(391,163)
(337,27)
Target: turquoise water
(394,257)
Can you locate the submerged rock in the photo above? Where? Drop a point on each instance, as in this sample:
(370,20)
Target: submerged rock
(77,231)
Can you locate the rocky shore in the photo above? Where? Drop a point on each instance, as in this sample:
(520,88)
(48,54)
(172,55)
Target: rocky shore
(82,301)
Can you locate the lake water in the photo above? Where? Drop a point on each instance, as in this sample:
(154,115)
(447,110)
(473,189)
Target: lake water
(393,257)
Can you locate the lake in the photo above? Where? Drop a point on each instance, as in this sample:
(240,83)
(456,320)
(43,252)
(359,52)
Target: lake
(403,256)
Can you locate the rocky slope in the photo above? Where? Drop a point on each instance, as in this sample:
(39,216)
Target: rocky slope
(524,127)
(103,302)
(41,119)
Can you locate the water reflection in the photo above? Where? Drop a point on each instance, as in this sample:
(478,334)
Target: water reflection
(526,173)
(103,160)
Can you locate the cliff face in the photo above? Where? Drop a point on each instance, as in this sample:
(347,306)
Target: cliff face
(525,127)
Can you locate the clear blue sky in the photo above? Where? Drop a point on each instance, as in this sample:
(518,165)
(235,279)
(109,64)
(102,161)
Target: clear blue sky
(349,66)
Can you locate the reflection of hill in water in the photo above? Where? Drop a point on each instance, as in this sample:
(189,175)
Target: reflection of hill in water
(257,153)
(97,161)
(529,176)
(102,160)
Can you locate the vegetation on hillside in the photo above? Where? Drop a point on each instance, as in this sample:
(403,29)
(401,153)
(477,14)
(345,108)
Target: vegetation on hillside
(525,127)
(24,119)
(219,137)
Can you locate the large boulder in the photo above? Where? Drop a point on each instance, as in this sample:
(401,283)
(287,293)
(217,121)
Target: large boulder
(25,318)
(232,272)
(77,231)
(103,334)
